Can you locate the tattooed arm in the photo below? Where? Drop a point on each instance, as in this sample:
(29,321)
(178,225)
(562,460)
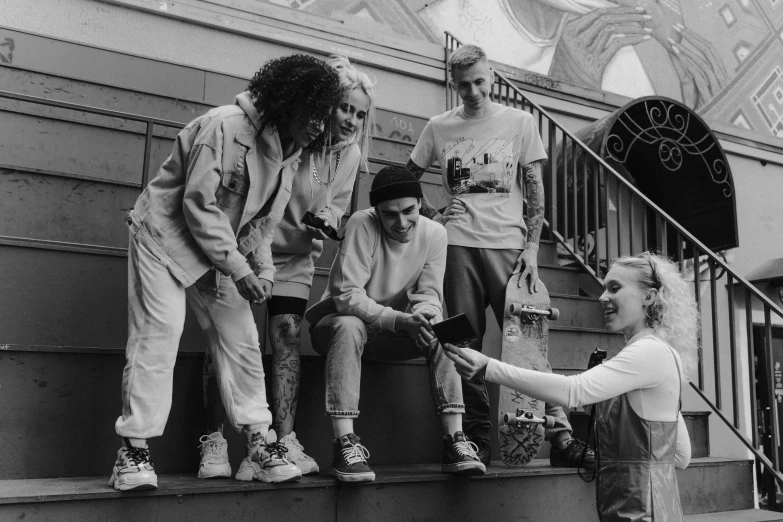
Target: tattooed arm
(427,209)
(534,188)
(453,211)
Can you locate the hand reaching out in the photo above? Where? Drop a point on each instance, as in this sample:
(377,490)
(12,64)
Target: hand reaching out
(412,323)
(468,362)
(590,41)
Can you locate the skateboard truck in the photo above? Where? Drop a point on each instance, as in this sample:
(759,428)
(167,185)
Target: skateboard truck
(530,314)
(523,417)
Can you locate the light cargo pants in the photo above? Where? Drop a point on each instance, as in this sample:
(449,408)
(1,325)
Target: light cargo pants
(156,317)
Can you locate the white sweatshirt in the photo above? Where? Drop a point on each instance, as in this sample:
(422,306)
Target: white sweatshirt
(645,370)
(376,278)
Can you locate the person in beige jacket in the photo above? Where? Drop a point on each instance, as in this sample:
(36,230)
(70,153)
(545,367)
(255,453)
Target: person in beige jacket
(201,231)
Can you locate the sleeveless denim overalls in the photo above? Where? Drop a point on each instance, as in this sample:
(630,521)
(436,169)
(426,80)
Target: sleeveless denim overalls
(636,474)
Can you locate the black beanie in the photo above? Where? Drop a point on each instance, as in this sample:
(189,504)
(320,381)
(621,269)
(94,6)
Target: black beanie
(392,183)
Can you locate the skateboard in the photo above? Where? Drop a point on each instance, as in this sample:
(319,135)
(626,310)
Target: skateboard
(525,343)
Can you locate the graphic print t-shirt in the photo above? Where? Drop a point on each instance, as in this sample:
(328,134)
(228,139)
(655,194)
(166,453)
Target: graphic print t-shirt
(479,158)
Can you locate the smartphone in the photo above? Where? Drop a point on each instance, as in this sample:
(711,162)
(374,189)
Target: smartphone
(455,330)
(311,220)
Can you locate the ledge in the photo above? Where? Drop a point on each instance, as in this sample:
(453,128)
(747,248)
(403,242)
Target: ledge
(96,488)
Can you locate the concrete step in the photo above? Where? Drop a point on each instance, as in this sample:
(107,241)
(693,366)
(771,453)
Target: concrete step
(742,515)
(547,252)
(570,348)
(560,280)
(415,492)
(577,311)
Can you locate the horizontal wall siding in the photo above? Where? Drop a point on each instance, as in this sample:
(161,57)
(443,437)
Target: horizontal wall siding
(61,209)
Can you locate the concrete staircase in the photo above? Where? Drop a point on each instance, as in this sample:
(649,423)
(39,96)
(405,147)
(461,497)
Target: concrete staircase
(59,443)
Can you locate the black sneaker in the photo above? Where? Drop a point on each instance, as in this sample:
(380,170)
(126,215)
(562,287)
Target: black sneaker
(571,455)
(349,463)
(484,451)
(459,456)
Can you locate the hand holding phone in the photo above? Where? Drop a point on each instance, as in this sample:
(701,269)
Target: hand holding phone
(311,220)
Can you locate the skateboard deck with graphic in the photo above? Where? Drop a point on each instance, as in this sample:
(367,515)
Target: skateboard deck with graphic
(525,344)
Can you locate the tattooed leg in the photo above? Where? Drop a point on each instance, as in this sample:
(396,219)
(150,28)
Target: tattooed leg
(213,404)
(284,336)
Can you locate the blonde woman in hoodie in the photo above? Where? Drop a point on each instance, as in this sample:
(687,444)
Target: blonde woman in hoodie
(323,185)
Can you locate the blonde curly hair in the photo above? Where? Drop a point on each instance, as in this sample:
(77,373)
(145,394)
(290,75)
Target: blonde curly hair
(673,316)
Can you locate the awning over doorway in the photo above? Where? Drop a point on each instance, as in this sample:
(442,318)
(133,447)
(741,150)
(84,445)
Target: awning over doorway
(670,154)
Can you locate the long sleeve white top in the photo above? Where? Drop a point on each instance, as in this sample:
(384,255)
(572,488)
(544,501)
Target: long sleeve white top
(646,370)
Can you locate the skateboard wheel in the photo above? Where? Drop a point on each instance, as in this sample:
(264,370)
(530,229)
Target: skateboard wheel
(549,421)
(554,313)
(509,419)
(514,308)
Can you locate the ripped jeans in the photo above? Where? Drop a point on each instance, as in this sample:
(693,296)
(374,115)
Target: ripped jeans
(344,339)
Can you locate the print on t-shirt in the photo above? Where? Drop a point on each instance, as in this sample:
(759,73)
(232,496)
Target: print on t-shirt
(480,166)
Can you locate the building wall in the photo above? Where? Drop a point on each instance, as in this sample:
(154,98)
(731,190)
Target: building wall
(725,61)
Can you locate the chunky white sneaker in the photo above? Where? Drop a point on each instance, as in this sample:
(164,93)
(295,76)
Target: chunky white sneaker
(214,456)
(133,469)
(266,462)
(297,455)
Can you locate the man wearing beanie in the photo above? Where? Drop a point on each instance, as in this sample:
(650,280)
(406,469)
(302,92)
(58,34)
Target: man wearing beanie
(385,289)
(490,157)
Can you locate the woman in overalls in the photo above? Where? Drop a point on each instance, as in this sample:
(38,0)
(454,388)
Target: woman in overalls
(640,432)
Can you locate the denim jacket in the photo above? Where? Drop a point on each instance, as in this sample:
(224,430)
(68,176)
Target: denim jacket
(216,200)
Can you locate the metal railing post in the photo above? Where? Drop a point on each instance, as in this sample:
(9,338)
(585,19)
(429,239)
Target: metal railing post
(145,171)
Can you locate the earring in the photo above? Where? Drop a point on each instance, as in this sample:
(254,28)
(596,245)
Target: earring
(654,318)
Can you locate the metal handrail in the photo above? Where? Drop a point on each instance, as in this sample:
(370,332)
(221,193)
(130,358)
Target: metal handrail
(148,120)
(682,235)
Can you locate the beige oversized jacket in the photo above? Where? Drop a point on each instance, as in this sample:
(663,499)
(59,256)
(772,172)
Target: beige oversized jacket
(216,200)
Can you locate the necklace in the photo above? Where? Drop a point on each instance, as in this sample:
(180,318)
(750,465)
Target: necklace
(315,171)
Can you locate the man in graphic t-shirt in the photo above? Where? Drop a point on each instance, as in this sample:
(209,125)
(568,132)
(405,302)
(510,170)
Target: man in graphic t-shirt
(486,151)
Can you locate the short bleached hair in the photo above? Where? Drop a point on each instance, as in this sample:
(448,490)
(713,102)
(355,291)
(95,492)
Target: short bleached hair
(352,78)
(467,56)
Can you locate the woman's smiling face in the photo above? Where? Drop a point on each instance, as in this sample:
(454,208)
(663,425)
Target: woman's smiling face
(350,114)
(624,301)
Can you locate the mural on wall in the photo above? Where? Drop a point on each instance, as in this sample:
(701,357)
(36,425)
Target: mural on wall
(723,58)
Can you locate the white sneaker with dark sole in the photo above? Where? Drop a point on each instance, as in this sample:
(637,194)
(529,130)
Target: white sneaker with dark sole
(267,462)
(214,457)
(133,470)
(297,456)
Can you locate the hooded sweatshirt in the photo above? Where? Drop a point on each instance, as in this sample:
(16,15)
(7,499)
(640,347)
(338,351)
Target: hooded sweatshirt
(216,200)
(294,249)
